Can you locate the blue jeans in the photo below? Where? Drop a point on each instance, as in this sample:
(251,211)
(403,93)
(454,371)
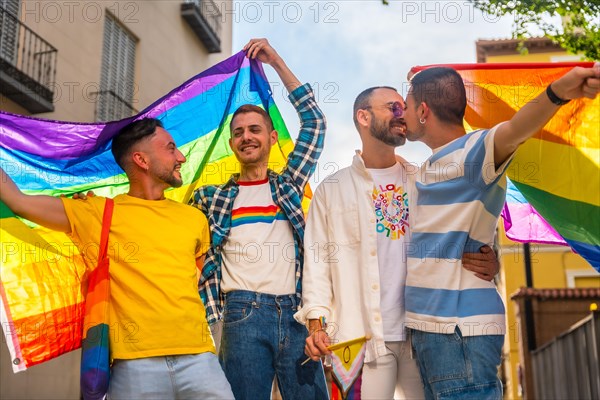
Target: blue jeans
(457,367)
(193,376)
(262,340)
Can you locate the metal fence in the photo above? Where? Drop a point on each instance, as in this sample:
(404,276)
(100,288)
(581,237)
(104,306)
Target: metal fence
(568,367)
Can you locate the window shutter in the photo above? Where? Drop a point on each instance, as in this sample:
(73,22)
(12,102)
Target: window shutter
(9,30)
(117,75)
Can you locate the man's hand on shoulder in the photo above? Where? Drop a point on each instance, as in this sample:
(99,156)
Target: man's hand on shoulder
(81,195)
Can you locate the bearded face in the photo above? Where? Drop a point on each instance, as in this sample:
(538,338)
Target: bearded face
(390,131)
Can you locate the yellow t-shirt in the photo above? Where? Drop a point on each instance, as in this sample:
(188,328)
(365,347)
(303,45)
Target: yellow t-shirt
(155,308)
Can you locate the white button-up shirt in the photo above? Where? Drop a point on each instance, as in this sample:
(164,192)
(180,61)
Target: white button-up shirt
(341,272)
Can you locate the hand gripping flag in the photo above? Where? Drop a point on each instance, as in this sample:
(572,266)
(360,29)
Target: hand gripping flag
(44,276)
(554,195)
(347,359)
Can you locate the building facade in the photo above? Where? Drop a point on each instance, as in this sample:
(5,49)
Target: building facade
(90,61)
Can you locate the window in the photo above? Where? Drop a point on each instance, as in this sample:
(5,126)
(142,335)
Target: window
(115,98)
(9,17)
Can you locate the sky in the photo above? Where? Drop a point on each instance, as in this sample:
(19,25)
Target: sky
(343,47)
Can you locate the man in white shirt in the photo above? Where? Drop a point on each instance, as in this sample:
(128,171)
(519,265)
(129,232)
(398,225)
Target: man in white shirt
(355,252)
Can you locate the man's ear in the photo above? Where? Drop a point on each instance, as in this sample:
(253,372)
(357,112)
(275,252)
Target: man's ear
(424,111)
(362,116)
(274,137)
(140,159)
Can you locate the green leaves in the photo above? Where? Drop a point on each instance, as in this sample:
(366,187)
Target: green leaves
(578,34)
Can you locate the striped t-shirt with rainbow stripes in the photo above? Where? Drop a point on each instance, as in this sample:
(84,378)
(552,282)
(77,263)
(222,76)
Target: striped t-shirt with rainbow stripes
(259,253)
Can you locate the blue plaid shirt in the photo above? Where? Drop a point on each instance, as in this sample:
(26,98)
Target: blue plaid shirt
(287,190)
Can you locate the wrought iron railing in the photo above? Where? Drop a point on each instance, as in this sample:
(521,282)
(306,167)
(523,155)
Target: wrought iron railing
(27,57)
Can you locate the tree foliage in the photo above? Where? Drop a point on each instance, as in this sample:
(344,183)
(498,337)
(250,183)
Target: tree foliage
(579,33)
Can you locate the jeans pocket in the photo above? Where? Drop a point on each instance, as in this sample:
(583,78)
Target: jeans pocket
(440,356)
(236,312)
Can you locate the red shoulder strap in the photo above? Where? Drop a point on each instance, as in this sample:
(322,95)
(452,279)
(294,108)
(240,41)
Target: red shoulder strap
(106,221)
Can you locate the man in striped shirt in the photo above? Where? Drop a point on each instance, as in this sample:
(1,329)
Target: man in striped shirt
(457,320)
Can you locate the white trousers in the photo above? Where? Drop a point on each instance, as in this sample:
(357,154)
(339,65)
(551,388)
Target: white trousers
(392,376)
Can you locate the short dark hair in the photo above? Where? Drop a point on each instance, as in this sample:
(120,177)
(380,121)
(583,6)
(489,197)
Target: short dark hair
(131,134)
(363,100)
(443,90)
(250,108)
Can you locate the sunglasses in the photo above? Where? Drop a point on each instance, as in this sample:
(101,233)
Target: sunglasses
(396,108)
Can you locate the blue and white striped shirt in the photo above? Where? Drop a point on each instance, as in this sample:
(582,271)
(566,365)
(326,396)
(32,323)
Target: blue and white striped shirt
(460,194)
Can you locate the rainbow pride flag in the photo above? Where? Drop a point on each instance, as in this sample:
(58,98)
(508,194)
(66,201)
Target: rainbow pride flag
(347,360)
(555,176)
(44,276)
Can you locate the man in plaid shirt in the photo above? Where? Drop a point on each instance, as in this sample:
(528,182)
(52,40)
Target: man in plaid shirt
(252,273)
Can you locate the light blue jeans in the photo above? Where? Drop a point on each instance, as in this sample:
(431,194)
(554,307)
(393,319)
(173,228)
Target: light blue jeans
(260,341)
(459,367)
(194,376)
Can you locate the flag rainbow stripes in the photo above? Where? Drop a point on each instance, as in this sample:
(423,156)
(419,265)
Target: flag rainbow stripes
(95,347)
(354,393)
(557,171)
(347,360)
(43,273)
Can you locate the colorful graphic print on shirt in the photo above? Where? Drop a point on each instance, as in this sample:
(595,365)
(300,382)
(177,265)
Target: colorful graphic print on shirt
(391,210)
(254,215)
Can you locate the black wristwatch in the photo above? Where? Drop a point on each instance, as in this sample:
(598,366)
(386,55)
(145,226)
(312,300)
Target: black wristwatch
(554,98)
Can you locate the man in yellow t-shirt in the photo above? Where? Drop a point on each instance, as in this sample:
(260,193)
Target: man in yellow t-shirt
(159,339)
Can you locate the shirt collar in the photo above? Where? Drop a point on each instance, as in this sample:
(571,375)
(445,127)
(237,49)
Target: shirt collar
(359,163)
(235,177)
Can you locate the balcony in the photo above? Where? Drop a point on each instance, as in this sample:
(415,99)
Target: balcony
(204,17)
(27,65)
